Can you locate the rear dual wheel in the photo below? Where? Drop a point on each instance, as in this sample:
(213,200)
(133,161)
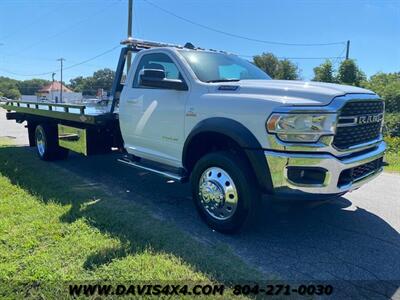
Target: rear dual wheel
(46,139)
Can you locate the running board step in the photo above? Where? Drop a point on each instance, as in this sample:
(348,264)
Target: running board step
(166,173)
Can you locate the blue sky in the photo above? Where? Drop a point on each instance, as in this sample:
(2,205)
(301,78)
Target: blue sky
(33,34)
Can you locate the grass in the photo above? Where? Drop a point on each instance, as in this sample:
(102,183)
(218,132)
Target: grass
(393,154)
(54,232)
(4,141)
(393,159)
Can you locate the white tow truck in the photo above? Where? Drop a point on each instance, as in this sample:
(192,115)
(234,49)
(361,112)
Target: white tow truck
(217,120)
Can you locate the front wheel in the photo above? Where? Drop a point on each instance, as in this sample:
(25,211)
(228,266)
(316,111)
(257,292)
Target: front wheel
(224,191)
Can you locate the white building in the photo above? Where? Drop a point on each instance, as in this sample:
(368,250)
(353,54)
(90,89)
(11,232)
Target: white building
(51,93)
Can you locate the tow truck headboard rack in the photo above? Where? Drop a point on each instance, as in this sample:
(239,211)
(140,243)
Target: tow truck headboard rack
(136,45)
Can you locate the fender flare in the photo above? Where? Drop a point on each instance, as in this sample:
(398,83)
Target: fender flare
(244,138)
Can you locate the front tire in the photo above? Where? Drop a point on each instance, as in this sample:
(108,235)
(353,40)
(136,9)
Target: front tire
(224,191)
(46,139)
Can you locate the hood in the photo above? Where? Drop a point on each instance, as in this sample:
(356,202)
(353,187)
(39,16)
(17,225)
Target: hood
(292,92)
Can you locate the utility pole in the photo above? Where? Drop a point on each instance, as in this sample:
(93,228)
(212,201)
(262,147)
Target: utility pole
(347,50)
(52,86)
(130,13)
(61,60)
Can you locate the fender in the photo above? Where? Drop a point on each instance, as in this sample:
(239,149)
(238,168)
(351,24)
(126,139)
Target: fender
(244,138)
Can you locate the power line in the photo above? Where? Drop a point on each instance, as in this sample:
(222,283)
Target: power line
(237,35)
(93,58)
(66,68)
(112,49)
(25,57)
(27,75)
(337,61)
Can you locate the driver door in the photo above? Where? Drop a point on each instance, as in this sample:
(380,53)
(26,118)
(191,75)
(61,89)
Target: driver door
(156,115)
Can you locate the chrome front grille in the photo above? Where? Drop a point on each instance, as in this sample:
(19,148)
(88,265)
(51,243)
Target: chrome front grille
(359,122)
(362,107)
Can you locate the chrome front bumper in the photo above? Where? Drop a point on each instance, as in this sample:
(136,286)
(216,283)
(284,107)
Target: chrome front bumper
(279,162)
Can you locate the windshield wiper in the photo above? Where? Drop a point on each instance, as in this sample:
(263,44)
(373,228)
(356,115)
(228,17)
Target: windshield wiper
(223,80)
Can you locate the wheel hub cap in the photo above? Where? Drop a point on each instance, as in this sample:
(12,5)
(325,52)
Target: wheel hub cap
(40,144)
(218,193)
(212,193)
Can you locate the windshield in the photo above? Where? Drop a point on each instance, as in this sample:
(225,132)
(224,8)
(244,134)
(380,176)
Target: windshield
(221,67)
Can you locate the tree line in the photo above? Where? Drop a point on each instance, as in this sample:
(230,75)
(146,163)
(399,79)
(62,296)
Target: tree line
(348,72)
(101,79)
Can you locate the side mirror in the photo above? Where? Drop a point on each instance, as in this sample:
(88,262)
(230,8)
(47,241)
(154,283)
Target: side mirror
(156,79)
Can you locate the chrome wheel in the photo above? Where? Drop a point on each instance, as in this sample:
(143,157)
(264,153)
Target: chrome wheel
(40,142)
(218,193)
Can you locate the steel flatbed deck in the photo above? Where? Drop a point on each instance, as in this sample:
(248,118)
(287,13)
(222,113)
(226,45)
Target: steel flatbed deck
(79,113)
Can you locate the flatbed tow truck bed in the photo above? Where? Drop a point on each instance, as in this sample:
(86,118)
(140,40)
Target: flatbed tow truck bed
(86,129)
(79,113)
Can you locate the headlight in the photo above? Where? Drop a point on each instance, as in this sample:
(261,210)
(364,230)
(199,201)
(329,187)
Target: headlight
(301,127)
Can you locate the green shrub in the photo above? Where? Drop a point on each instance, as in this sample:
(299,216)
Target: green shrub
(392,125)
(386,85)
(393,144)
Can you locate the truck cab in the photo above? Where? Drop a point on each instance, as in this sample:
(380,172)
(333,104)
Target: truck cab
(211,115)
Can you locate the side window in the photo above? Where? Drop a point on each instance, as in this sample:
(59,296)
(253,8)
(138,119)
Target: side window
(158,61)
